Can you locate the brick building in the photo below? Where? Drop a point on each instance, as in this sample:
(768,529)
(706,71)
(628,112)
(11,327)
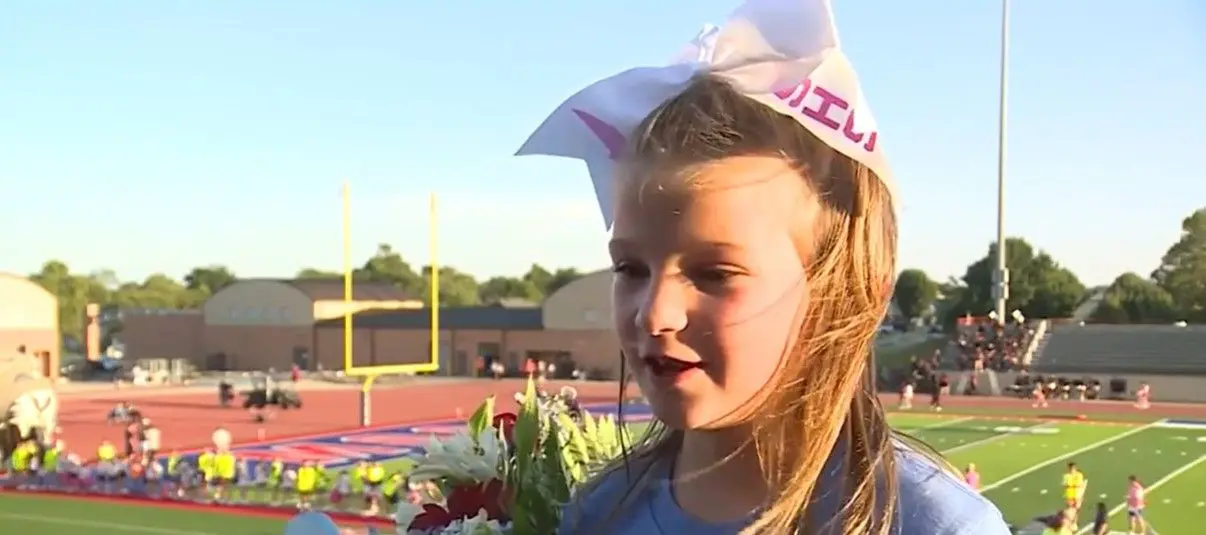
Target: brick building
(29,317)
(256,324)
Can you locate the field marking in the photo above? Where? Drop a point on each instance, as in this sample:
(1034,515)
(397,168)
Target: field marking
(128,528)
(1069,455)
(1157,484)
(993,438)
(944,422)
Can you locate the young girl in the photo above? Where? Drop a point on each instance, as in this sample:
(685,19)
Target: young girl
(1136,498)
(971,476)
(753,243)
(906,396)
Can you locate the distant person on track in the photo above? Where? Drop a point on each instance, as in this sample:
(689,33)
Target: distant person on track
(1039,395)
(150,440)
(906,396)
(1143,397)
(941,383)
(1136,500)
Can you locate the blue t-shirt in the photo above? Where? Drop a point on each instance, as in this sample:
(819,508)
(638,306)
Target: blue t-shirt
(931,502)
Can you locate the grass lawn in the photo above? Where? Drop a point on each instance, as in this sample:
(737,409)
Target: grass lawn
(1020,463)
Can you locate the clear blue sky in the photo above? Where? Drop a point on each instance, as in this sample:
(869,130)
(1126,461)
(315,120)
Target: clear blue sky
(149,136)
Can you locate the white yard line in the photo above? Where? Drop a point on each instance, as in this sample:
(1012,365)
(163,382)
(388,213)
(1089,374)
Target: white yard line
(124,528)
(1068,455)
(993,438)
(946,422)
(1171,475)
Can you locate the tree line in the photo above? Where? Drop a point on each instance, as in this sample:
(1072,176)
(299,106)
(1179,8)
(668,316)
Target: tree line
(1039,287)
(160,291)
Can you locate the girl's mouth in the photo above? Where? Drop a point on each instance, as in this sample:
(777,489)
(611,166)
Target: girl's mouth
(671,369)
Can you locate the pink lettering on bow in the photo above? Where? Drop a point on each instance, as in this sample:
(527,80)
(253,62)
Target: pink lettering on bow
(611,137)
(824,107)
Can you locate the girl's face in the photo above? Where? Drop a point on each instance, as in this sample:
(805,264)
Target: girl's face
(709,285)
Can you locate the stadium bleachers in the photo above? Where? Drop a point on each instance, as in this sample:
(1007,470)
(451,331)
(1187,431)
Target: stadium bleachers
(1154,349)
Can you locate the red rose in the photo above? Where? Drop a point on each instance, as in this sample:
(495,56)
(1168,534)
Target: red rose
(505,422)
(433,516)
(464,501)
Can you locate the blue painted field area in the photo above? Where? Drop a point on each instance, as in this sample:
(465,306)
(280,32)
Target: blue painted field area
(376,444)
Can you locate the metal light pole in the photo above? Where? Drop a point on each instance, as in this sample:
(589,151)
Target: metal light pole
(1001,275)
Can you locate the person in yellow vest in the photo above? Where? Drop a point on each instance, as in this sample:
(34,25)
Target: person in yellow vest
(389,489)
(373,478)
(209,473)
(19,464)
(307,484)
(360,474)
(225,469)
(49,467)
(172,476)
(276,478)
(106,466)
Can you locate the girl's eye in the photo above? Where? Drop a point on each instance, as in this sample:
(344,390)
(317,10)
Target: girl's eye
(714,275)
(627,269)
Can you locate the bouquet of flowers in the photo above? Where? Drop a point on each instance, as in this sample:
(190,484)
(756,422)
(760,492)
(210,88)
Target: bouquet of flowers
(509,474)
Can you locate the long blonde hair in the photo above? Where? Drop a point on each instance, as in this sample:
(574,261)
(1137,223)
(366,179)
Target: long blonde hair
(824,390)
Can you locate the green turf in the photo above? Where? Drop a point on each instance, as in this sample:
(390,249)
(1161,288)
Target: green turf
(1020,461)
(53,516)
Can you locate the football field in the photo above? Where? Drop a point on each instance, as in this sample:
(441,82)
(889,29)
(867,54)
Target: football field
(1020,461)
(1021,464)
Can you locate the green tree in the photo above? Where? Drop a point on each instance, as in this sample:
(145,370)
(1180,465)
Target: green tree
(546,282)
(1134,299)
(209,279)
(456,288)
(314,273)
(495,289)
(1182,271)
(1038,286)
(72,292)
(915,293)
(387,266)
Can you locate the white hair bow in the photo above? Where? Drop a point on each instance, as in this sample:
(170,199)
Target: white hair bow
(782,53)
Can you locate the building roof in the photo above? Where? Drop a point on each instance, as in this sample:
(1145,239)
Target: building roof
(488,318)
(332,290)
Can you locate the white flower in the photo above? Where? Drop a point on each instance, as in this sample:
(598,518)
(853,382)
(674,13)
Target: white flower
(461,458)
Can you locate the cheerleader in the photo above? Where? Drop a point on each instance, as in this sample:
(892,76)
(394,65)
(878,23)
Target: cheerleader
(1143,397)
(87,478)
(69,473)
(244,482)
(906,396)
(263,474)
(340,490)
(154,474)
(1039,395)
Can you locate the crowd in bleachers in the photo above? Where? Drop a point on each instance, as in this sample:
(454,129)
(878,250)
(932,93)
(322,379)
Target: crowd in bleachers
(991,346)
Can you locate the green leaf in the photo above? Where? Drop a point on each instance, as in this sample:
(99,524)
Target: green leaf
(527,426)
(482,419)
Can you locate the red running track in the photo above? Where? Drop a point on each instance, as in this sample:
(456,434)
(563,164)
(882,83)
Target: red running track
(188,420)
